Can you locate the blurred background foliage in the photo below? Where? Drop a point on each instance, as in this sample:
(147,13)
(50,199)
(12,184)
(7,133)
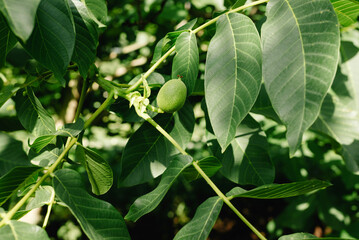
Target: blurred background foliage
(125,50)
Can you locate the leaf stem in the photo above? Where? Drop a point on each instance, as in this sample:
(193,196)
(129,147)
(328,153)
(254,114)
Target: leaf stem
(210,22)
(51,169)
(103,106)
(151,70)
(164,133)
(226,200)
(49,207)
(172,49)
(206,178)
(82,99)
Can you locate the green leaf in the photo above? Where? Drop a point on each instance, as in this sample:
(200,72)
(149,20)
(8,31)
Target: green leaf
(246,160)
(71,129)
(233,74)
(350,153)
(339,115)
(239,3)
(155,79)
(209,165)
(299,214)
(32,114)
(7,41)
(169,40)
(347,11)
(148,152)
(298,236)
(285,190)
(98,10)
(202,223)
(150,201)
(98,170)
(43,196)
(20,17)
(11,182)
(7,92)
(16,230)
(308,236)
(300,56)
(185,63)
(53,39)
(11,154)
(86,37)
(98,219)
(264,107)
(46,156)
(42,142)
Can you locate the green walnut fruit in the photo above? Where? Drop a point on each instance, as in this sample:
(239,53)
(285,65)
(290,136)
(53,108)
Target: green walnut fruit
(172,96)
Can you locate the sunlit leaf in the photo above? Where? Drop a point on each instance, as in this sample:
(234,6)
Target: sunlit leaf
(98,10)
(185,63)
(16,230)
(232,75)
(20,17)
(339,115)
(285,190)
(300,55)
(347,11)
(43,195)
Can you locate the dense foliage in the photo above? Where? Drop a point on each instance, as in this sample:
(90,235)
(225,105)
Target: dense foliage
(264,147)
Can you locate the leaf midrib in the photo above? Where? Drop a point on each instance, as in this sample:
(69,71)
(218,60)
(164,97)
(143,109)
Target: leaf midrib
(304,64)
